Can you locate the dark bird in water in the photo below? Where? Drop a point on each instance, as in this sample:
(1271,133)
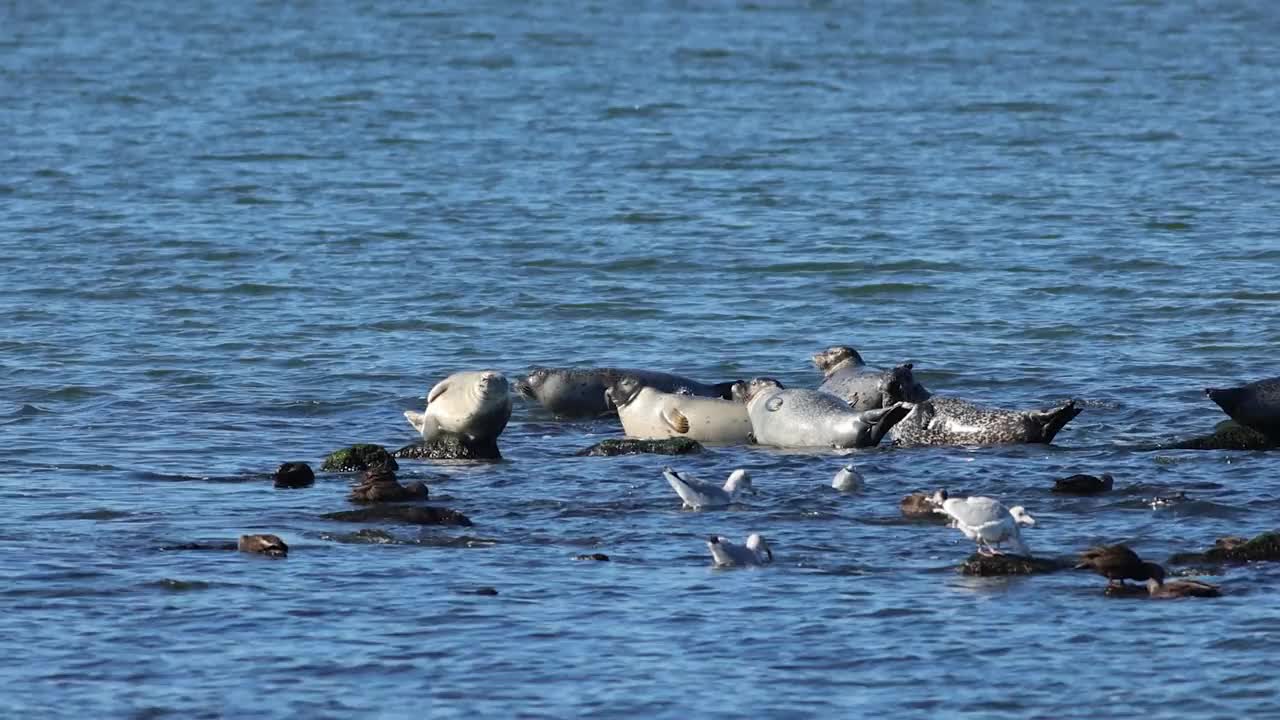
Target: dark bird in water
(1181,589)
(1118,562)
(1083,484)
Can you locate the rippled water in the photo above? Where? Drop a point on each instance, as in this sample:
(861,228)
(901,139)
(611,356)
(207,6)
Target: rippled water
(241,233)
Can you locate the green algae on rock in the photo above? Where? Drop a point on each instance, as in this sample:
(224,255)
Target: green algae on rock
(448,446)
(357,458)
(613,447)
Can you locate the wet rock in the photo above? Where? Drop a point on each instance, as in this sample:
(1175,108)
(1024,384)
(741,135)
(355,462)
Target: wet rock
(1083,485)
(1227,435)
(379,484)
(294,475)
(411,514)
(598,557)
(1235,550)
(920,506)
(451,447)
(269,545)
(222,546)
(613,447)
(1126,590)
(357,458)
(365,536)
(992,565)
(485,591)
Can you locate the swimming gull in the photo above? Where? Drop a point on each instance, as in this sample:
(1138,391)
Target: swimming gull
(755,552)
(848,479)
(700,494)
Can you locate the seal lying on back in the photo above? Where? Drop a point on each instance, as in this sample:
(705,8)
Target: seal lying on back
(650,414)
(808,418)
(1256,405)
(866,388)
(579,392)
(474,404)
(951,421)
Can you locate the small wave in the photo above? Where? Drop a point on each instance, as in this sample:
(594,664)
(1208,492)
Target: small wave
(95,514)
(266,157)
(172,585)
(1014,107)
(872,289)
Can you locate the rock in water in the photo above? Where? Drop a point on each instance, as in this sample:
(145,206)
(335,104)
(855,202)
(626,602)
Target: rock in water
(1263,548)
(413,515)
(357,458)
(447,446)
(1227,435)
(627,446)
(993,565)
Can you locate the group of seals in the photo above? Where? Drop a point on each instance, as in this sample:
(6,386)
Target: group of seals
(855,406)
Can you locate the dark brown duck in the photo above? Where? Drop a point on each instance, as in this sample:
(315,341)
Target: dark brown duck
(1119,563)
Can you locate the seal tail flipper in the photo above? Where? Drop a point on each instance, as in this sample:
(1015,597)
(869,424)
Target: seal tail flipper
(888,417)
(724,390)
(1049,422)
(416,419)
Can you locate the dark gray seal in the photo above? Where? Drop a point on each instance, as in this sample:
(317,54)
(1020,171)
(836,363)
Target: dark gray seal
(808,418)
(1256,405)
(951,421)
(579,392)
(866,388)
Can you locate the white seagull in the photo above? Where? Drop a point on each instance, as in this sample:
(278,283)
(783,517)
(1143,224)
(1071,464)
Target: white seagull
(726,554)
(985,521)
(700,494)
(848,479)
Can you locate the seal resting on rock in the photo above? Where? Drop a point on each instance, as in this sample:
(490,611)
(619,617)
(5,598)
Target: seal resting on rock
(951,421)
(865,388)
(650,414)
(1256,405)
(269,545)
(379,485)
(808,418)
(475,405)
(579,392)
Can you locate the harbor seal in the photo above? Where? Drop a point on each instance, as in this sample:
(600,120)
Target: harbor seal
(1256,405)
(866,388)
(951,421)
(650,414)
(579,392)
(808,418)
(474,404)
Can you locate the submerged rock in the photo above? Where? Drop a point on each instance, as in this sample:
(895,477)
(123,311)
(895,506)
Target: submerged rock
(269,545)
(1083,485)
(379,485)
(598,557)
(1263,548)
(223,546)
(357,458)
(613,447)
(414,515)
(1227,435)
(993,565)
(451,447)
(294,475)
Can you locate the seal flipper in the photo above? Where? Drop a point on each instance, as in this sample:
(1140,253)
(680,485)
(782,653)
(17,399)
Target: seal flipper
(416,419)
(724,390)
(1049,422)
(437,390)
(675,420)
(882,421)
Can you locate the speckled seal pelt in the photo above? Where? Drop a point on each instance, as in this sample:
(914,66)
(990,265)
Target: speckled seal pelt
(951,421)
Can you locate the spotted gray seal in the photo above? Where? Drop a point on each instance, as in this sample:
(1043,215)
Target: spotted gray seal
(473,404)
(650,414)
(1256,405)
(865,388)
(808,418)
(951,421)
(579,392)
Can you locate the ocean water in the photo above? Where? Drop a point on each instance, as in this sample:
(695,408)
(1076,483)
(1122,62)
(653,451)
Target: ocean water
(236,234)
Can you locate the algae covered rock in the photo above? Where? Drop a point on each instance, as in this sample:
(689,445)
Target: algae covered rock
(357,458)
(451,447)
(1263,548)
(413,515)
(613,447)
(980,565)
(1227,435)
